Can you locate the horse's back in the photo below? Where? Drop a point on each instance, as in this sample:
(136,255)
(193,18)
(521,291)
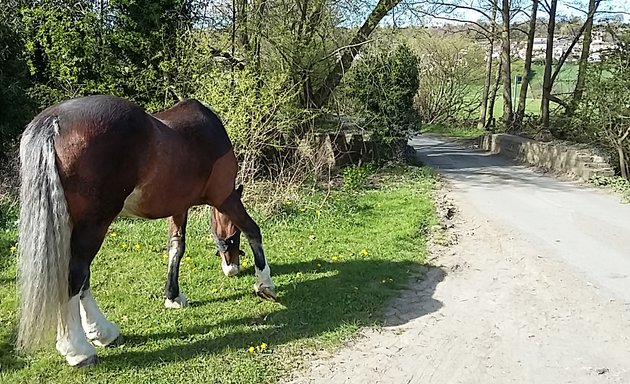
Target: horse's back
(114,157)
(200,124)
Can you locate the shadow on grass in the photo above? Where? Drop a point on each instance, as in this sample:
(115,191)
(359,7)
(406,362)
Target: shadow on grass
(310,308)
(9,360)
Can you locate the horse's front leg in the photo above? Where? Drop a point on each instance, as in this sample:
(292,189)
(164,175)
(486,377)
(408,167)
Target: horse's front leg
(233,208)
(176,247)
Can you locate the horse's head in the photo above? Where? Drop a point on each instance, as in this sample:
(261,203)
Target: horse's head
(228,240)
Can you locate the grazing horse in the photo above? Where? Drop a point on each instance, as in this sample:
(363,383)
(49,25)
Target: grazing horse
(86,161)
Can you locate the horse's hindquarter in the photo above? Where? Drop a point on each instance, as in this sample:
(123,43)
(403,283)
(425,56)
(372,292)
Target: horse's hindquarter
(100,150)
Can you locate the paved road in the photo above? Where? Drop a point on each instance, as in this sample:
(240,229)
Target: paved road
(587,228)
(534,289)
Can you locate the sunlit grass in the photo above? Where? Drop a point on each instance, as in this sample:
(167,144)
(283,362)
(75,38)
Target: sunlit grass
(336,260)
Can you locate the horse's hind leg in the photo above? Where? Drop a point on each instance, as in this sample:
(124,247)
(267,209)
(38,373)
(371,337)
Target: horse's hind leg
(71,339)
(98,329)
(176,247)
(233,208)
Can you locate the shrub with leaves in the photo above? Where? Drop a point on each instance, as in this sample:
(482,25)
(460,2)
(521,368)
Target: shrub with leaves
(15,104)
(385,85)
(603,115)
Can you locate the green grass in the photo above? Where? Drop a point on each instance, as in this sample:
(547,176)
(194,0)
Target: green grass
(327,289)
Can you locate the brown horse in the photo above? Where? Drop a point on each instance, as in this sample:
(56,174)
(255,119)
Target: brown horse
(86,161)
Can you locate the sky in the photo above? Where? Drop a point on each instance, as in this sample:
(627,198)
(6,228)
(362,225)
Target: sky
(563,10)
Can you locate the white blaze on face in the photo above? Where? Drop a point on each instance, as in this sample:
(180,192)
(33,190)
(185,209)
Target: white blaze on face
(229,269)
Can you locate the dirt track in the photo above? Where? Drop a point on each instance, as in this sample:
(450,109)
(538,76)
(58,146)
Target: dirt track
(535,289)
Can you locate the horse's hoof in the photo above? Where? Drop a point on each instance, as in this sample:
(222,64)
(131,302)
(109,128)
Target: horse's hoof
(120,340)
(87,363)
(179,302)
(266,293)
(106,337)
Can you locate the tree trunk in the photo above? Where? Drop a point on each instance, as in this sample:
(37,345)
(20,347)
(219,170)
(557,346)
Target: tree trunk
(547,83)
(506,69)
(522,100)
(586,50)
(488,80)
(493,96)
(622,161)
(322,95)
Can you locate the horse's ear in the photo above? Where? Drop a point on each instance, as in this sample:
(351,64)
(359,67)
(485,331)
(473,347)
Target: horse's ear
(239,190)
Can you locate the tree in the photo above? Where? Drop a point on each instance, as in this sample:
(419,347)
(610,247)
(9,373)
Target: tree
(15,79)
(583,61)
(322,95)
(527,70)
(547,82)
(507,65)
(603,114)
(483,111)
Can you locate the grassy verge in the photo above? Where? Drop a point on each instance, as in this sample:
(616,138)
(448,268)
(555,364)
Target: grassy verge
(616,183)
(336,259)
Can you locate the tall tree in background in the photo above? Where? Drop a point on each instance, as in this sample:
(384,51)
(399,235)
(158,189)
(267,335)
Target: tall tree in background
(583,61)
(507,65)
(527,70)
(547,82)
(483,111)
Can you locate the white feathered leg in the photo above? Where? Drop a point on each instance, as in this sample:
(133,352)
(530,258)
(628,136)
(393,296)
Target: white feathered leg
(98,329)
(71,340)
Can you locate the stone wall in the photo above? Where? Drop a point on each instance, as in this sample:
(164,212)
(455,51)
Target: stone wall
(574,160)
(345,148)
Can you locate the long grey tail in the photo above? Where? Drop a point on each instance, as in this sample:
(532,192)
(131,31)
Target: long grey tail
(44,242)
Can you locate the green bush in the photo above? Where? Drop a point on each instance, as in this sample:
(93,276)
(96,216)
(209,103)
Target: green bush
(16,107)
(385,85)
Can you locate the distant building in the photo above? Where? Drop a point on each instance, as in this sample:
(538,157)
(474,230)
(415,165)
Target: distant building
(560,46)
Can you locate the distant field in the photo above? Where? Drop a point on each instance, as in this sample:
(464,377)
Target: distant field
(564,84)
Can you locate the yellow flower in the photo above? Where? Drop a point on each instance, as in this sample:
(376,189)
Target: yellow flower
(334,258)
(187,258)
(364,252)
(244,264)
(263,346)
(214,290)
(13,248)
(137,246)
(114,234)
(251,349)
(298,274)
(124,245)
